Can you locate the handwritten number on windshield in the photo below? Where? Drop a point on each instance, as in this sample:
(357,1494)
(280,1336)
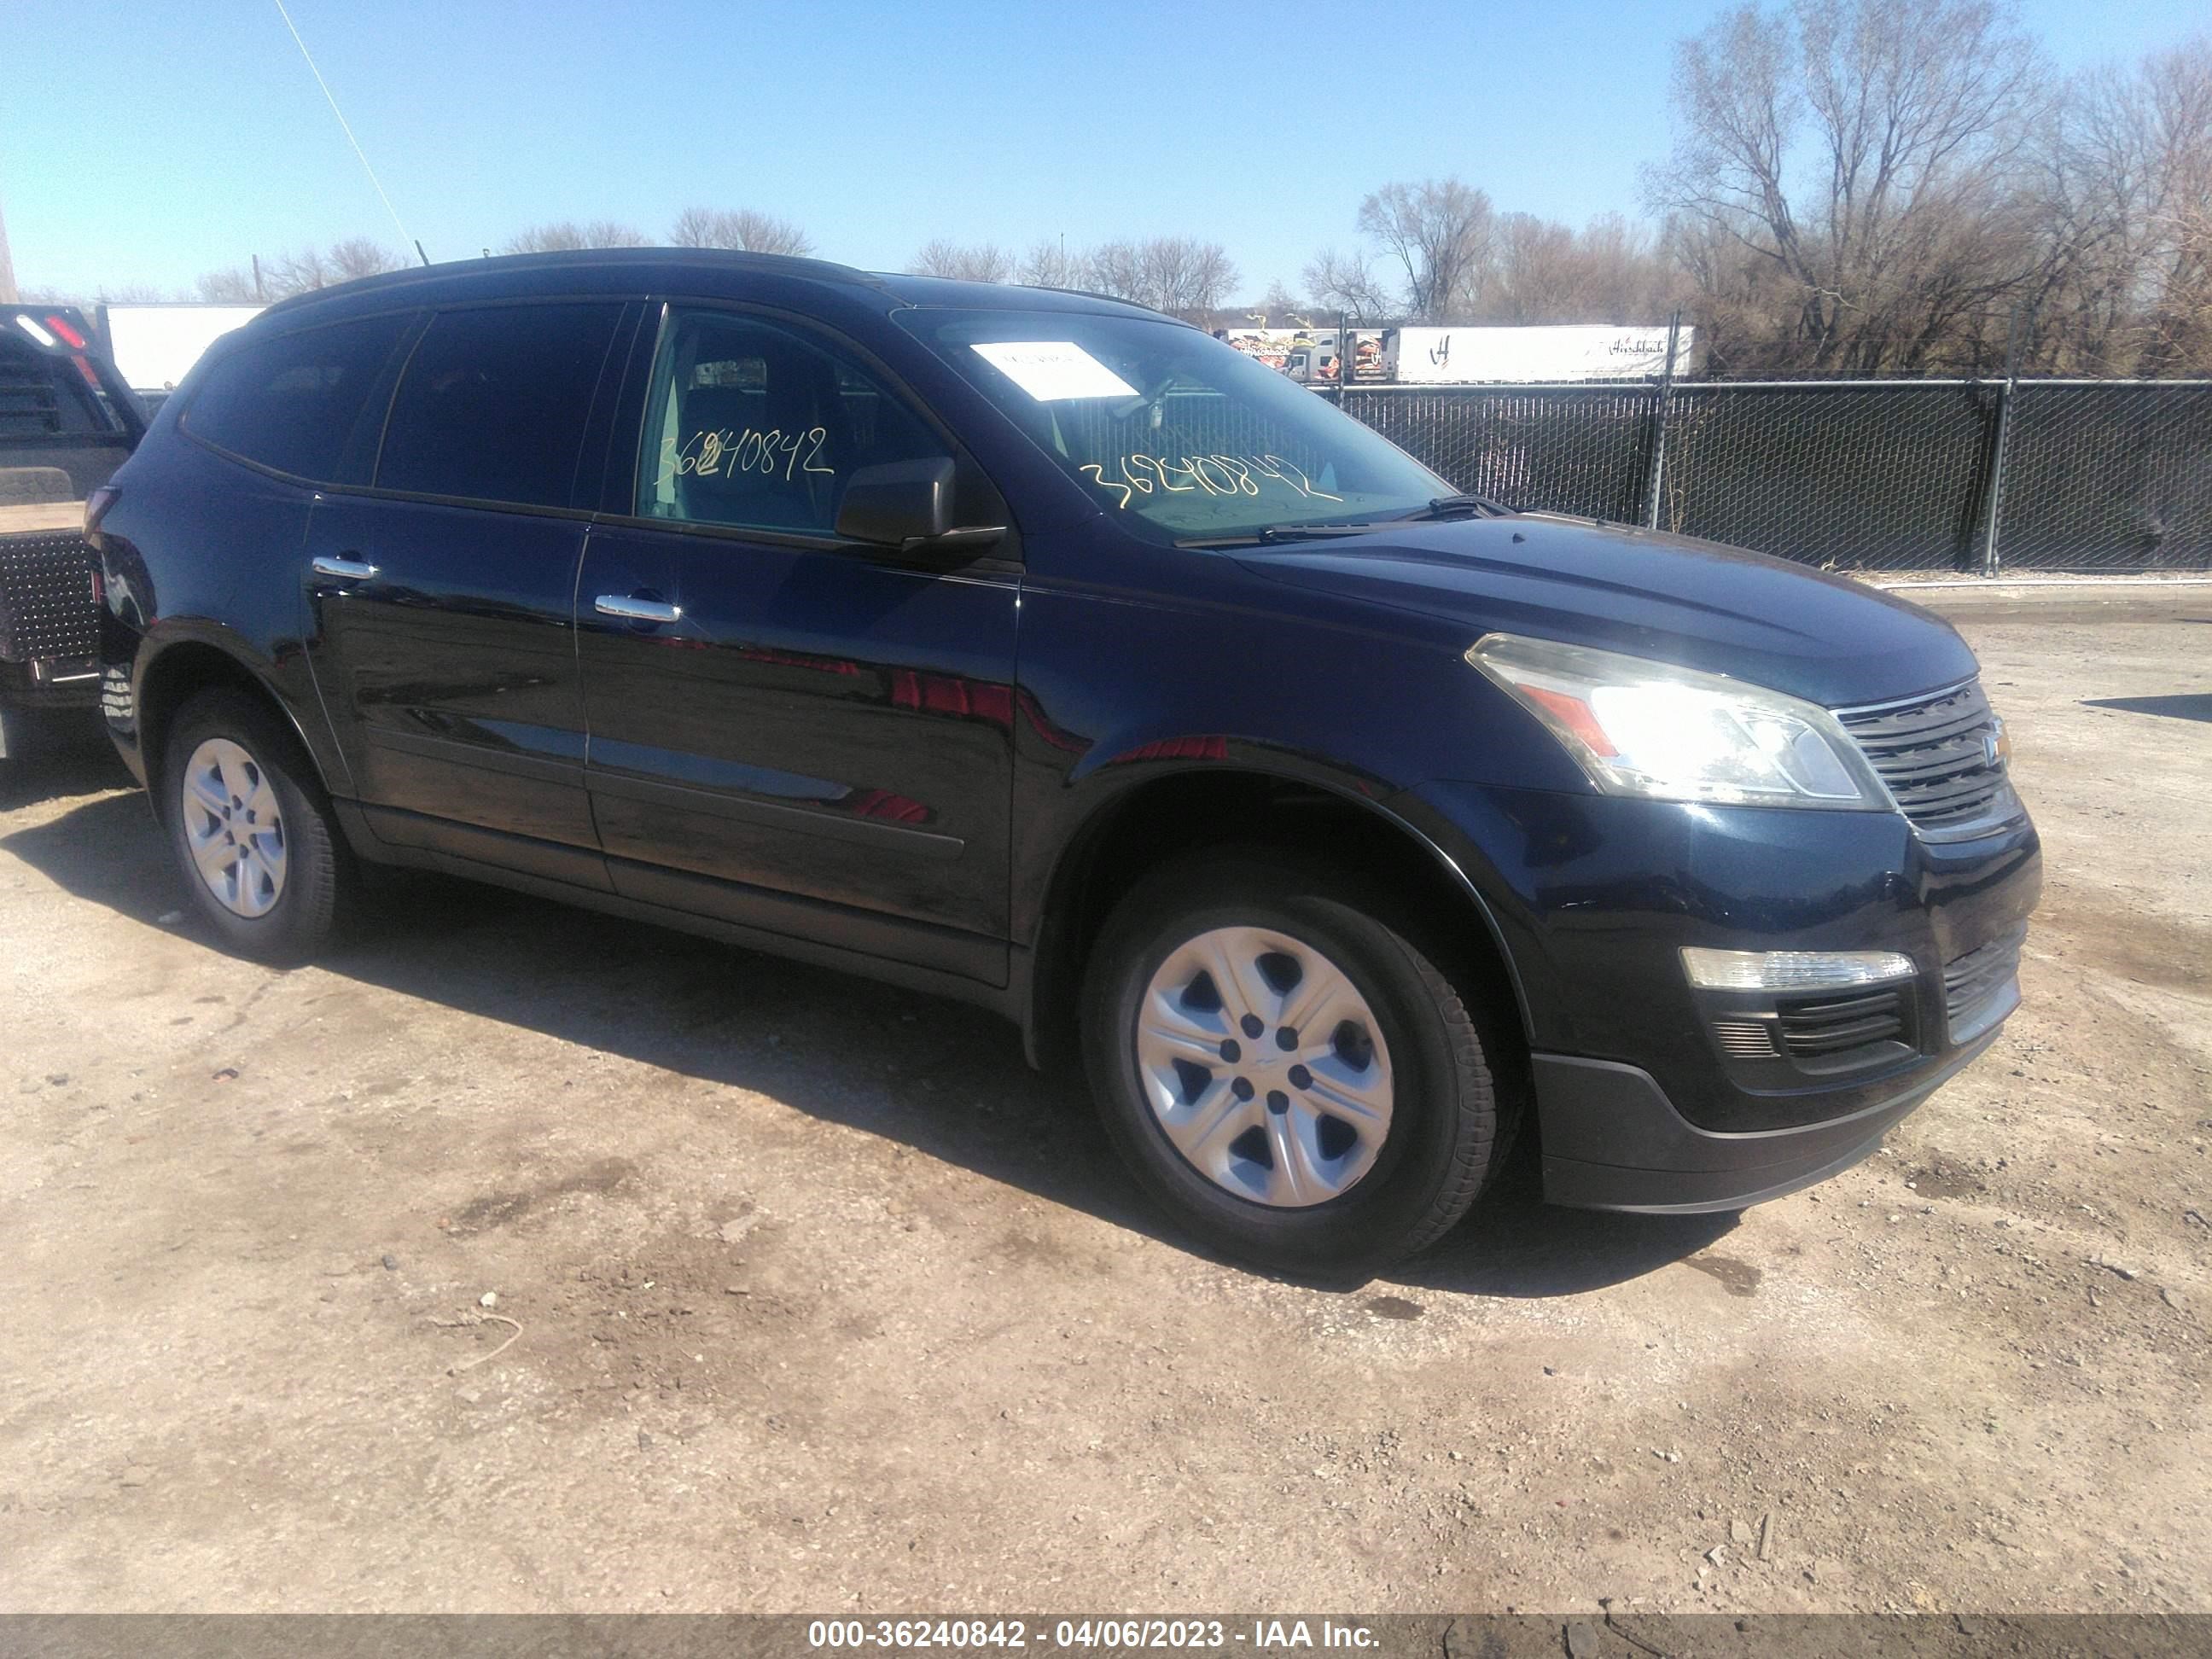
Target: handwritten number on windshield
(1214,475)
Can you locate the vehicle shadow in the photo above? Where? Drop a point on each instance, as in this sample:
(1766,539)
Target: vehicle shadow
(947,1080)
(72,759)
(2181,706)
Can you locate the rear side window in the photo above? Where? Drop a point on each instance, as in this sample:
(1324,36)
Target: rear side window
(493,404)
(299,402)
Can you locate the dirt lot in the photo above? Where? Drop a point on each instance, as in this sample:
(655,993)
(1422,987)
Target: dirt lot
(821,1300)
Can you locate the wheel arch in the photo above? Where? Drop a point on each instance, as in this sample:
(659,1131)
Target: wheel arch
(1186,810)
(172,673)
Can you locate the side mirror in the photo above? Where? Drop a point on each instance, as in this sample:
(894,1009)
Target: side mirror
(908,505)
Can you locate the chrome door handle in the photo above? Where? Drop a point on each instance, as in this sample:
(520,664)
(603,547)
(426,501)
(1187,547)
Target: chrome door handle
(345,570)
(651,611)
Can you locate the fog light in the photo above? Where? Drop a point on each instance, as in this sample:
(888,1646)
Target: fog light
(1791,970)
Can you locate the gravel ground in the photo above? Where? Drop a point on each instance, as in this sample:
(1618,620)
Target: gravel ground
(520,1258)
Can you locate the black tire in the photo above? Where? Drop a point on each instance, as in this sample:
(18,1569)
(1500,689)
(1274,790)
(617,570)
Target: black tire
(319,875)
(1444,1140)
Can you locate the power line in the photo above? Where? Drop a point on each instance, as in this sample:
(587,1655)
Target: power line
(403,237)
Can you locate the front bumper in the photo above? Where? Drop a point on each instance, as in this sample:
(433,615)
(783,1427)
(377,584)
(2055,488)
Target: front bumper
(1653,1095)
(1612,1141)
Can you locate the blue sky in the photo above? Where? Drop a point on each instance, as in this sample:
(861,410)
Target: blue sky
(148,142)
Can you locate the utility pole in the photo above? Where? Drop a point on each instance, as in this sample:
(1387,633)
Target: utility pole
(7,294)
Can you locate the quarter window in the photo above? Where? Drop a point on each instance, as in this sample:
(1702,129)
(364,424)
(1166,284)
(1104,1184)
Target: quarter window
(494,403)
(752,425)
(300,403)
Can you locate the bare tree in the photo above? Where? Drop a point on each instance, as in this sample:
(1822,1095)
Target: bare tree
(297,273)
(1626,277)
(745,229)
(1181,275)
(2123,283)
(1864,149)
(1281,307)
(1543,272)
(2181,318)
(1117,268)
(358,256)
(1538,274)
(564,235)
(1439,231)
(985,262)
(1345,283)
(234,286)
(1049,264)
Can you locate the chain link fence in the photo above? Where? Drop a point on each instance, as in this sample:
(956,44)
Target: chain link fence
(1907,474)
(2108,476)
(1576,449)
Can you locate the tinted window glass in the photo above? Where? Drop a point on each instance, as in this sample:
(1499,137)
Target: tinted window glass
(493,404)
(753,425)
(300,402)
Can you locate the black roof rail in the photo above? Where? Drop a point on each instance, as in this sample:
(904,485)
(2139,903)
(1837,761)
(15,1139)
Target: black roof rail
(785,263)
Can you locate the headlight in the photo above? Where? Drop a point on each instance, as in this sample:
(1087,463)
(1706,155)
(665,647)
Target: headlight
(1640,727)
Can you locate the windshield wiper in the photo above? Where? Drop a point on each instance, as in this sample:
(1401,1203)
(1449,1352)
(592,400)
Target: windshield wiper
(1457,507)
(1444,507)
(1280,532)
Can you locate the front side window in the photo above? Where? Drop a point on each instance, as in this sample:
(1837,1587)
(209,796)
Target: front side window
(752,425)
(1176,434)
(299,402)
(494,403)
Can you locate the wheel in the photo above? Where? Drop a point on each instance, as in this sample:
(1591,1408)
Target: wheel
(1284,1068)
(14,734)
(252,828)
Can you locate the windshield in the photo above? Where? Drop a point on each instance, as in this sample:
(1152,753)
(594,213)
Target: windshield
(1182,436)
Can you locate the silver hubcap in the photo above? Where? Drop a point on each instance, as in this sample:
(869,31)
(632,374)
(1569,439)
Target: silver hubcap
(1265,1066)
(233,828)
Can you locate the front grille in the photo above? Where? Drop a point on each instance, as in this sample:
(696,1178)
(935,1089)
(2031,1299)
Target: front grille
(1814,1030)
(45,597)
(1938,756)
(1974,984)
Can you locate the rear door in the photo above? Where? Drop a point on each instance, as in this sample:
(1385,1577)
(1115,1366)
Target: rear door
(443,640)
(788,730)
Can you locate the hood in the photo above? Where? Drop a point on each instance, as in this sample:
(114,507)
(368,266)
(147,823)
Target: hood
(1824,638)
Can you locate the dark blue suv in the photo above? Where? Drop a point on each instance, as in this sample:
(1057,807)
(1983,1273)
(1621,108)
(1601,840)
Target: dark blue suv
(1034,649)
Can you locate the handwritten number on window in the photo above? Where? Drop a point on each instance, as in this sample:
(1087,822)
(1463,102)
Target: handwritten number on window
(723,454)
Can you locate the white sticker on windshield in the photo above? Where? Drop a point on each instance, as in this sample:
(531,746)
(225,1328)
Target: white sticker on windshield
(1051,370)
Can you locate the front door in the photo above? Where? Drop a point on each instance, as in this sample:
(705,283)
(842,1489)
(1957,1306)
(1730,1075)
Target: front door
(788,731)
(444,643)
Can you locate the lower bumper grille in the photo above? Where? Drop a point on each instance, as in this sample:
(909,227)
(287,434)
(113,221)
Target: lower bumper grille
(46,598)
(1981,986)
(1835,1025)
